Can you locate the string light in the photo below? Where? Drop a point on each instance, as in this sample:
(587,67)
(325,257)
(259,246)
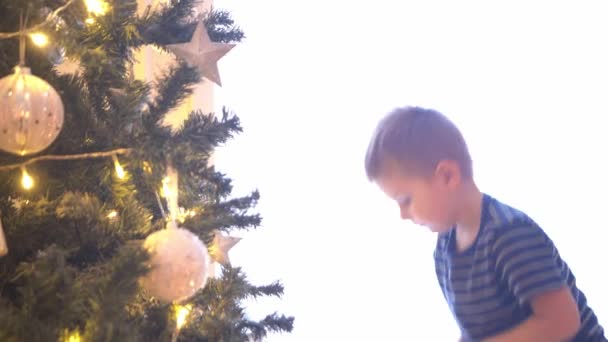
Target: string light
(120,172)
(39,39)
(112,214)
(185,214)
(181,315)
(89,21)
(49,19)
(147,167)
(71,337)
(27,182)
(97,7)
(89,155)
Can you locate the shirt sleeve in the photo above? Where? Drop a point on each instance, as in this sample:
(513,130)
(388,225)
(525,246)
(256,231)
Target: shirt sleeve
(527,261)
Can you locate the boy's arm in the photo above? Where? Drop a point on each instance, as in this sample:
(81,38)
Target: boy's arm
(555,318)
(529,263)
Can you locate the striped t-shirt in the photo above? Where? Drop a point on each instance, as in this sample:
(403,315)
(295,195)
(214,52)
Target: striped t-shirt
(489,286)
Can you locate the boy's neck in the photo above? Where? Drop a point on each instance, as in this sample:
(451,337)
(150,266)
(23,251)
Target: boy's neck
(468,220)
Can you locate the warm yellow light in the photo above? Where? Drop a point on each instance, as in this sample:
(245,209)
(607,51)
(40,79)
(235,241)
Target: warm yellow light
(166,189)
(71,337)
(120,172)
(89,21)
(112,214)
(97,7)
(26,180)
(147,167)
(39,39)
(181,314)
(185,214)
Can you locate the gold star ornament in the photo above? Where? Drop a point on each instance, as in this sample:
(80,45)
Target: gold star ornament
(202,53)
(220,247)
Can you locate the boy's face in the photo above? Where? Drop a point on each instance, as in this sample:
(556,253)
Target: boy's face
(427,201)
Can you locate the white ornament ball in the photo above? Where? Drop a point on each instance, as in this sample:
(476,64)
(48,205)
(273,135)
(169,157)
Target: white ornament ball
(179,261)
(31,113)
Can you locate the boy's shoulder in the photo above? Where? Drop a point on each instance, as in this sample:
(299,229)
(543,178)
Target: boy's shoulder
(499,221)
(505,228)
(497,216)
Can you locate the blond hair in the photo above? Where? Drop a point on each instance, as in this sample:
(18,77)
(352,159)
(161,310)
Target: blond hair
(417,139)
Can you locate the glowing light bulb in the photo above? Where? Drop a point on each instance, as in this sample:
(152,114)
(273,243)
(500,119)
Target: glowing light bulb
(39,39)
(72,337)
(185,214)
(181,315)
(120,172)
(112,214)
(97,7)
(89,21)
(26,180)
(147,167)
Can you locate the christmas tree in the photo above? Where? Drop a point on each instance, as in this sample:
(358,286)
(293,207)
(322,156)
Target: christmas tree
(112,218)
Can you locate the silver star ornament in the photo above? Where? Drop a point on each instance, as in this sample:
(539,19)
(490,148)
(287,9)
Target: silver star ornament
(202,53)
(220,247)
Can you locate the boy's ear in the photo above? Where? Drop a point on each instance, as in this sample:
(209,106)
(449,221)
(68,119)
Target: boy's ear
(448,173)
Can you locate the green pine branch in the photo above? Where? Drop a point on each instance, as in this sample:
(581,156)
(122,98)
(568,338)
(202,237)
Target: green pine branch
(167,24)
(226,216)
(222,28)
(223,298)
(40,288)
(111,288)
(175,85)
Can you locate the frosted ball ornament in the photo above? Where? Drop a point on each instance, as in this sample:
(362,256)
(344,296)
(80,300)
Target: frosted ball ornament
(31,113)
(179,264)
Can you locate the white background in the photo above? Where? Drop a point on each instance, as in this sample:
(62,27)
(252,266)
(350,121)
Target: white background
(526,81)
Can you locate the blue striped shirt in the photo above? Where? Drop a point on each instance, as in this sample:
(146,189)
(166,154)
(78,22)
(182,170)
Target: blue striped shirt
(490,285)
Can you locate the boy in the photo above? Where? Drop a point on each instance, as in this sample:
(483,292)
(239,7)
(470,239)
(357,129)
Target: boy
(499,272)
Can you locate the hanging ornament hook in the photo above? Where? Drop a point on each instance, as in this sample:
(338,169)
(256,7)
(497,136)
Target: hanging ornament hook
(22,36)
(160,205)
(21,40)
(170,190)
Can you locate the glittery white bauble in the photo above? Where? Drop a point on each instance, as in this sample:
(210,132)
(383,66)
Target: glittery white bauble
(179,264)
(31,113)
